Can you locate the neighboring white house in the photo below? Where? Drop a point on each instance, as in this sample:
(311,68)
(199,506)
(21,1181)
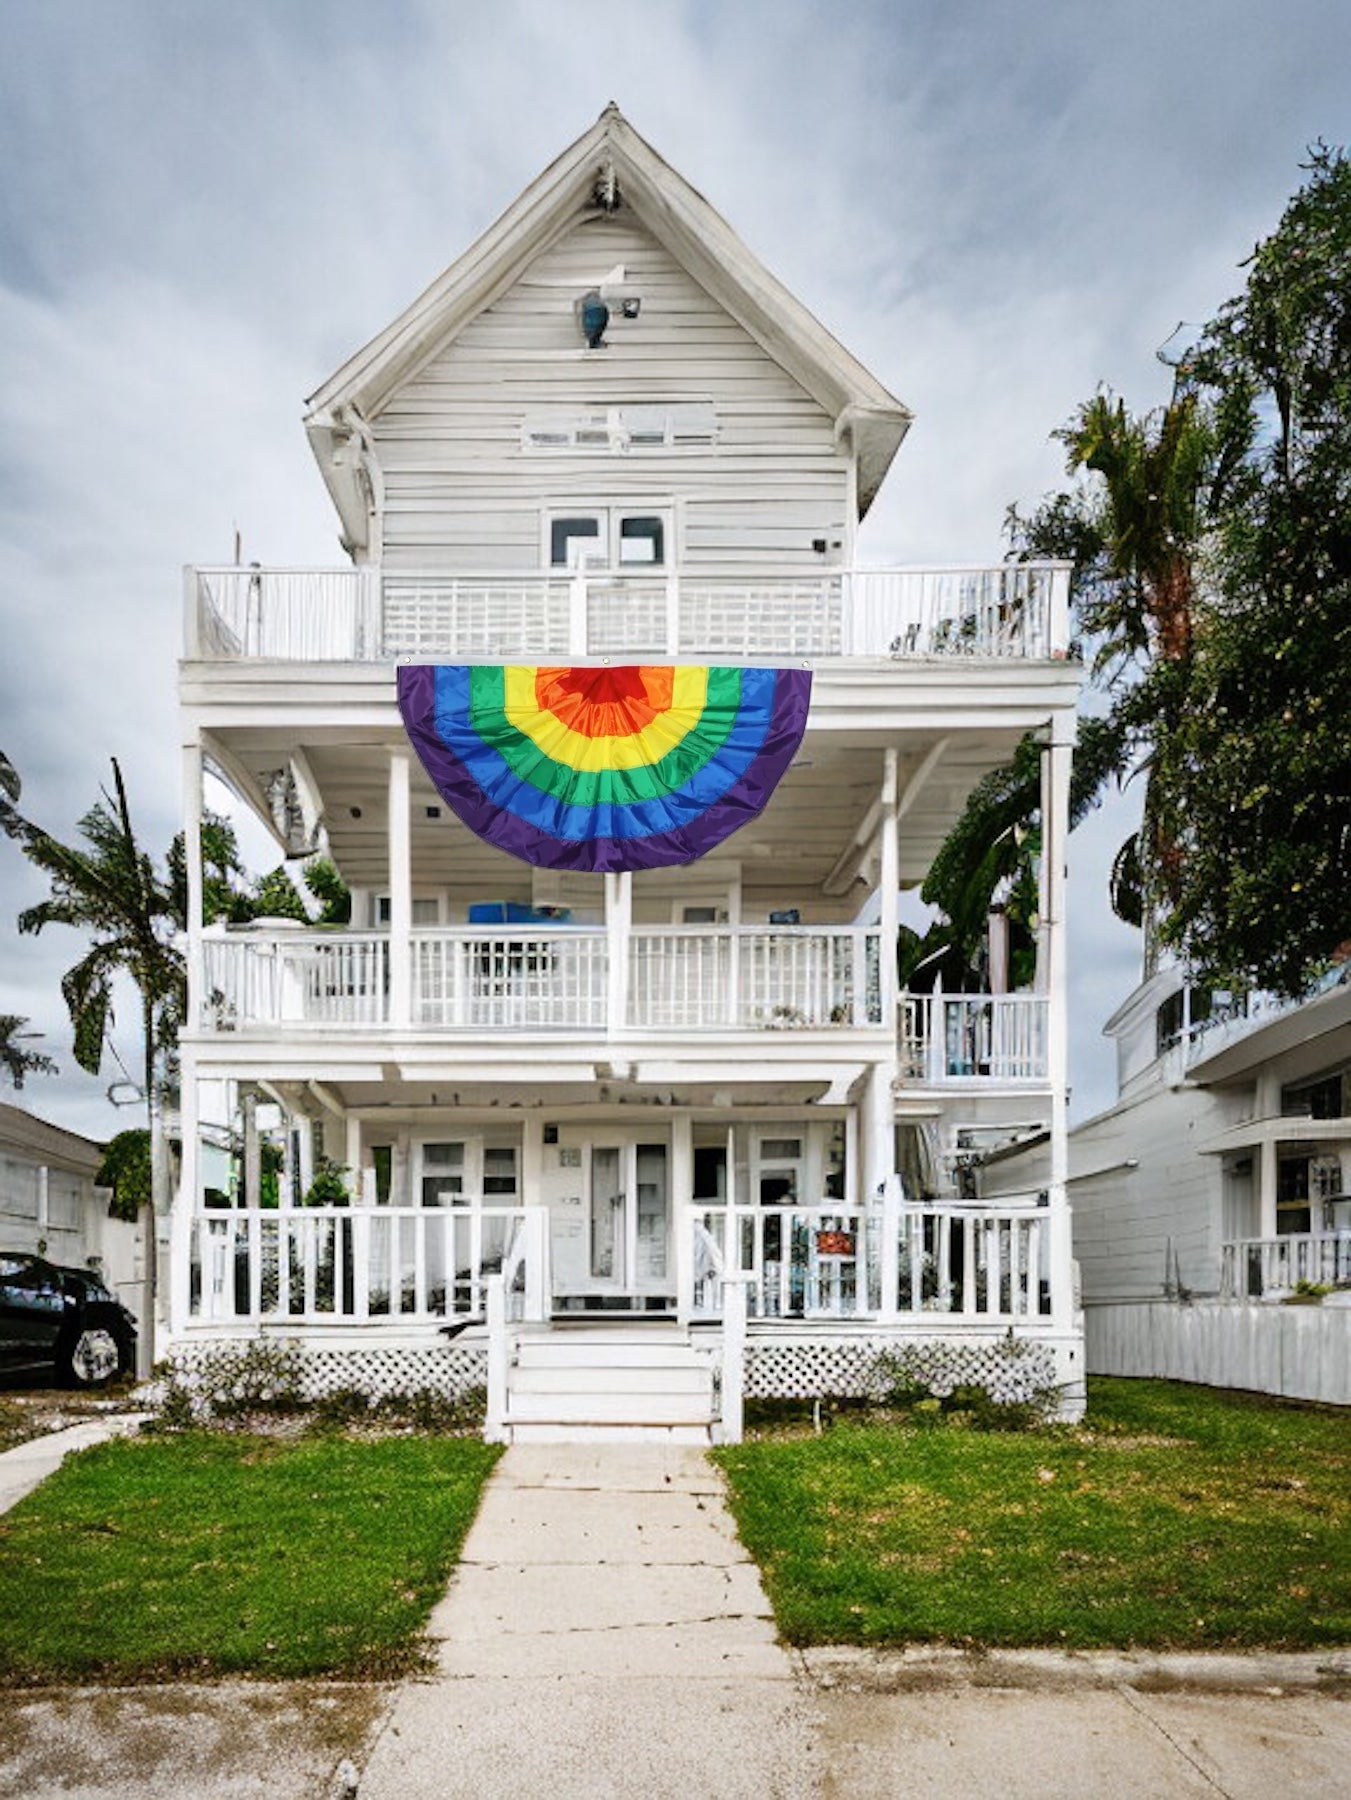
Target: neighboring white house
(1216,1188)
(670,1129)
(50,1205)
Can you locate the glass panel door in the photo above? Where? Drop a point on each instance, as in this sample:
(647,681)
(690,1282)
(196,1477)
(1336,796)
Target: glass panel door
(607,1213)
(653,1215)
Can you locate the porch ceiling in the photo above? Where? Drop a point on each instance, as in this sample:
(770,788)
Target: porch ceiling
(788,852)
(576,1099)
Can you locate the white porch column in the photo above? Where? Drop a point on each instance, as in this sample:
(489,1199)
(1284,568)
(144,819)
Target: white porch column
(1051,981)
(618,923)
(538,1275)
(400,893)
(682,1213)
(889,866)
(192,858)
(187,1204)
(879,1131)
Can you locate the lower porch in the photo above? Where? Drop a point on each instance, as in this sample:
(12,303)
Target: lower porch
(767,1302)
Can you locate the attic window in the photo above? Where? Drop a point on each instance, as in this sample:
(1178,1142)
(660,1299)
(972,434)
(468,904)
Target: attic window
(621,430)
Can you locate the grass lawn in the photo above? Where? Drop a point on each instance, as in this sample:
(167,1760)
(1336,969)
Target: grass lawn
(202,1555)
(1173,1516)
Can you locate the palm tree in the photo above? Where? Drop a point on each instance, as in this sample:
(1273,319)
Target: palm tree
(17,1062)
(110,888)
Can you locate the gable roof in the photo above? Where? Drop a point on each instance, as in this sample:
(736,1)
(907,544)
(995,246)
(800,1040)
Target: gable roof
(694,233)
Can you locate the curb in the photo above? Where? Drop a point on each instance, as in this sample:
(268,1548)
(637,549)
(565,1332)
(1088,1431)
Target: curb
(920,1667)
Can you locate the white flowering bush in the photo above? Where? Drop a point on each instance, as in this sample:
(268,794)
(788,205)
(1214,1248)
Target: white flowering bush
(1003,1386)
(226,1384)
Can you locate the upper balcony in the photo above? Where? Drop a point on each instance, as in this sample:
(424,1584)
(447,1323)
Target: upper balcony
(1007,611)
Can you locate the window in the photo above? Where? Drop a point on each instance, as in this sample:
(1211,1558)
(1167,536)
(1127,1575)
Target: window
(573,540)
(426,910)
(609,536)
(624,430)
(442,1174)
(499,1173)
(1322,1098)
(641,542)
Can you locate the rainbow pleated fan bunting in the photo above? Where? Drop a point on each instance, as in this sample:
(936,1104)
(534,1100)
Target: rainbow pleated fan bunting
(605,768)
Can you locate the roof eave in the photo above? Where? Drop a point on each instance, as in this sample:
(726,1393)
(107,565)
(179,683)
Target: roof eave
(697,235)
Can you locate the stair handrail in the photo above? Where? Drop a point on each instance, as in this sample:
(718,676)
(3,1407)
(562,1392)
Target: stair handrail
(710,1262)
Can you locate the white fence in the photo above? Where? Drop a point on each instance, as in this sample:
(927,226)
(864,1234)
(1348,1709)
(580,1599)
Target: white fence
(361,614)
(1301,1352)
(955,1037)
(522,980)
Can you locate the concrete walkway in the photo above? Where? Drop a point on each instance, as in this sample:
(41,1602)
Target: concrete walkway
(23,1467)
(606,1634)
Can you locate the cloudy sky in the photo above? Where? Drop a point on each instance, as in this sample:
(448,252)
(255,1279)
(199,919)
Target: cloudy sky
(205,209)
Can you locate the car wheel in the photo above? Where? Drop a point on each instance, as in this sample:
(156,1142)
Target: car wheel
(92,1358)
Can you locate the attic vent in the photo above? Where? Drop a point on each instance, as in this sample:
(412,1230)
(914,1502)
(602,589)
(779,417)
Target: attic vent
(606,190)
(623,429)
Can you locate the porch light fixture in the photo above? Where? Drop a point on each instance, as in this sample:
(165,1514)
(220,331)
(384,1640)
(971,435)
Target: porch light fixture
(593,315)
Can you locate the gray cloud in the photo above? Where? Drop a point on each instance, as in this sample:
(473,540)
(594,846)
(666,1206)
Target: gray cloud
(207,209)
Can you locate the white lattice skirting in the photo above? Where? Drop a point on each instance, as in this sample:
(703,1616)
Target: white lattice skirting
(849,1369)
(374,1370)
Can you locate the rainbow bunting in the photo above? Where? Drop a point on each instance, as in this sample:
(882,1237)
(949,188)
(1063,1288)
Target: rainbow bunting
(605,768)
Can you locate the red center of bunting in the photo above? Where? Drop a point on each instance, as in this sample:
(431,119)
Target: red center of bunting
(605,702)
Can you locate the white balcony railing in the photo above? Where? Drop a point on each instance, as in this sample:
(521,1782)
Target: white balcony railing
(794,977)
(322,1264)
(295,978)
(511,980)
(1254,1267)
(955,1038)
(531,978)
(1005,610)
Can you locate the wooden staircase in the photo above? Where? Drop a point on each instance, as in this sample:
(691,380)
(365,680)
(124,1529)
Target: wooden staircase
(609,1383)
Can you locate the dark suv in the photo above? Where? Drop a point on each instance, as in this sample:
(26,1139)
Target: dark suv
(62,1318)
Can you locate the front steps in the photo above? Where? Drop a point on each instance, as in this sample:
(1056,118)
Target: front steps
(609,1383)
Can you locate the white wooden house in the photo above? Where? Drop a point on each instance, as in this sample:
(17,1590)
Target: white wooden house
(669,1136)
(1216,1190)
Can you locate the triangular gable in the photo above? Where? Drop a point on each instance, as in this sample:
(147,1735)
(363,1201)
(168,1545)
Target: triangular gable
(694,233)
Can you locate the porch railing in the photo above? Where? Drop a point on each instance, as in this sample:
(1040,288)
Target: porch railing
(1254,1267)
(367,614)
(967,1263)
(347,1264)
(959,1037)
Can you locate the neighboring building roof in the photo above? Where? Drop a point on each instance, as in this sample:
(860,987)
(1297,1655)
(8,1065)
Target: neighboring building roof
(694,233)
(1315,1018)
(24,1133)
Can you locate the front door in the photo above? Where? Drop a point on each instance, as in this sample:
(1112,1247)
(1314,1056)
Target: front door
(621,1259)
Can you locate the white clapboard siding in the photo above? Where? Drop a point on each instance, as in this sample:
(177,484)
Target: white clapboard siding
(460,490)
